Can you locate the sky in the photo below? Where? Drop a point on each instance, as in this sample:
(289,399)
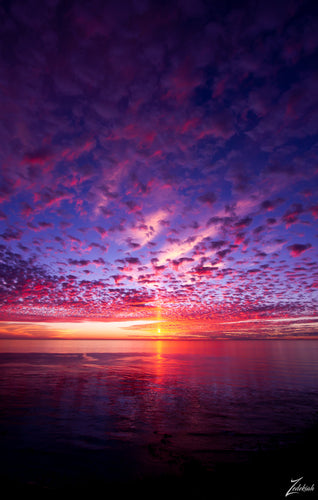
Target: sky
(158,163)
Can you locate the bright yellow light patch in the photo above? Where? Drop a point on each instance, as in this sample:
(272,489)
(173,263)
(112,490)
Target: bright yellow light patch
(80,329)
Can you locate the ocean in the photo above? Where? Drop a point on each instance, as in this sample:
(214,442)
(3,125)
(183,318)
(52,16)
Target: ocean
(198,418)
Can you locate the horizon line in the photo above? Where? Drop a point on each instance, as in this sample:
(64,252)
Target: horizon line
(177,338)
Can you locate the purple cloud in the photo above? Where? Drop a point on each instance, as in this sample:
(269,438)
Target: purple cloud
(208,198)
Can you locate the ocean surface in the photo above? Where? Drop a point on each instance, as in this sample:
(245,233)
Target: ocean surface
(76,412)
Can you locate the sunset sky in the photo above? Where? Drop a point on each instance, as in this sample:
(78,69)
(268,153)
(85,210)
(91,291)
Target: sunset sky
(159,162)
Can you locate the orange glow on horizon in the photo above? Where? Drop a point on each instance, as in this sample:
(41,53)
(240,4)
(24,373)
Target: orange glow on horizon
(69,330)
(157,328)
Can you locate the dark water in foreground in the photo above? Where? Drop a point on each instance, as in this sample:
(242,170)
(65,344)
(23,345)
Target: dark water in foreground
(109,413)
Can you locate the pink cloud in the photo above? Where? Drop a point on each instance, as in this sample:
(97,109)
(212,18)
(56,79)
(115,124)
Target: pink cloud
(297,249)
(38,157)
(314,211)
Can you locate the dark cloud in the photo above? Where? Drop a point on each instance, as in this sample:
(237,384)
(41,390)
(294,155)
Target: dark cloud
(101,230)
(11,234)
(208,198)
(37,157)
(45,225)
(132,260)
(132,206)
(292,215)
(79,263)
(216,245)
(298,248)
(243,223)
(270,205)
